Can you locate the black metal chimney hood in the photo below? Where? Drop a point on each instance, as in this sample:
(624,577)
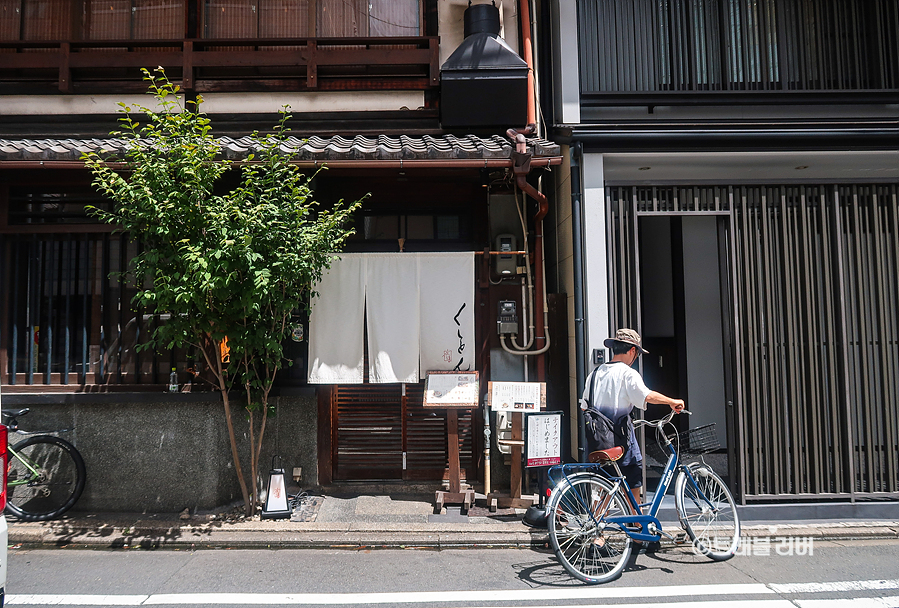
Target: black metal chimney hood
(484,82)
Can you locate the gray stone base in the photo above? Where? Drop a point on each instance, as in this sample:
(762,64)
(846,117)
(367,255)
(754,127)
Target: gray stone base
(163,453)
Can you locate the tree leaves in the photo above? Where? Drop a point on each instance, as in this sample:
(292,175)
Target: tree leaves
(235,264)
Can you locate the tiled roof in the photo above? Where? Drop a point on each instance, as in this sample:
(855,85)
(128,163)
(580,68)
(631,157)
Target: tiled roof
(319,149)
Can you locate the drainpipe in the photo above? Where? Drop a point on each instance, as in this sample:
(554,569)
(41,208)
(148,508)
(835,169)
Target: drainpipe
(521,166)
(524,18)
(576,152)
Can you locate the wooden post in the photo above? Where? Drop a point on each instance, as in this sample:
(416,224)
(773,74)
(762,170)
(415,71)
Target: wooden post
(452,391)
(452,437)
(65,73)
(455,494)
(516,444)
(517,435)
(187,67)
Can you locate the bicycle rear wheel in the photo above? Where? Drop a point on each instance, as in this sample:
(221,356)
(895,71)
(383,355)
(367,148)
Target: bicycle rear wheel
(707,512)
(589,548)
(46,477)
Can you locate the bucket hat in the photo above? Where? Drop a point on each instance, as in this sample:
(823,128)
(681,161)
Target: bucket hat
(627,336)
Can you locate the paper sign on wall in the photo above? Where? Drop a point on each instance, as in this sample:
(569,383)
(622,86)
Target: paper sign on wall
(543,446)
(517,396)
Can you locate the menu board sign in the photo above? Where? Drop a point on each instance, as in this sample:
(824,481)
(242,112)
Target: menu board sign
(452,389)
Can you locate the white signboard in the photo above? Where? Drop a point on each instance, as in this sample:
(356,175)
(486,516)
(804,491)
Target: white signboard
(452,389)
(543,446)
(517,396)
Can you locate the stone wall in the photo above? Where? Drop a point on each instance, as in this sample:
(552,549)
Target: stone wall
(167,452)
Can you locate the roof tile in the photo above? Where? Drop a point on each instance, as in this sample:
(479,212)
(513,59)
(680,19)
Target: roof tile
(315,148)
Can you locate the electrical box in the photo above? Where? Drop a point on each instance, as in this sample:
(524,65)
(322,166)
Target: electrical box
(505,264)
(507,318)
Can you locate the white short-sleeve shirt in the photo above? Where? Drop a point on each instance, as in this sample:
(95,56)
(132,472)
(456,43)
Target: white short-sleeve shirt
(617,389)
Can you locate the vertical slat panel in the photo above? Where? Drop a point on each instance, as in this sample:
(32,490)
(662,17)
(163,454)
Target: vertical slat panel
(692,45)
(815,287)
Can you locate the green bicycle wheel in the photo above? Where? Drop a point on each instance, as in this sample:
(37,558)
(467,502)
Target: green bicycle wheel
(45,478)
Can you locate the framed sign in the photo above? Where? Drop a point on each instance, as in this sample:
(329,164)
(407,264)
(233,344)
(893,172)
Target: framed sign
(516,396)
(452,389)
(543,439)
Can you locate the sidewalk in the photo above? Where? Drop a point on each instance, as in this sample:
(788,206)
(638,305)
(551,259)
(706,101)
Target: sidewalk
(361,522)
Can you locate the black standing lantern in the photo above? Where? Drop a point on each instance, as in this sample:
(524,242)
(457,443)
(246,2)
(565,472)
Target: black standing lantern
(484,83)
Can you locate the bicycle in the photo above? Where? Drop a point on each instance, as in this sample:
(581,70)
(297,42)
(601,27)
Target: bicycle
(594,517)
(45,474)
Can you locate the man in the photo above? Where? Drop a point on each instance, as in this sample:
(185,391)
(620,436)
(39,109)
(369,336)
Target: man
(618,389)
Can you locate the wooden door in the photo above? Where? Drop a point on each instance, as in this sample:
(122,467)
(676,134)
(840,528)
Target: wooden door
(382,434)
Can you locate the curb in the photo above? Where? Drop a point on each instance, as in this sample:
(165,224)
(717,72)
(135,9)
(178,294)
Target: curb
(368,536)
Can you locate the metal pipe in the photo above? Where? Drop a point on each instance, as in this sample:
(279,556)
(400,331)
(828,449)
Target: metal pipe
(524,18)
(521,167)
(576,153)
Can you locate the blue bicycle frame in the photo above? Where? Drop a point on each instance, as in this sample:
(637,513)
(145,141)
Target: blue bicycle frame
(638,526)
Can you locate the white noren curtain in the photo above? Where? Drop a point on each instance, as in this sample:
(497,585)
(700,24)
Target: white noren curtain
(420,311)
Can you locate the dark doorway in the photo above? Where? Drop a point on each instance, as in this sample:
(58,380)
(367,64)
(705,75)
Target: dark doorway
(683,321)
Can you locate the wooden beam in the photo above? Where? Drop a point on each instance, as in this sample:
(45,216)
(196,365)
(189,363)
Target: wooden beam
(65,74)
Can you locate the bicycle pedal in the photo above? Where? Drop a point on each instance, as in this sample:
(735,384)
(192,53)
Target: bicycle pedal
(668,536)
(679,539)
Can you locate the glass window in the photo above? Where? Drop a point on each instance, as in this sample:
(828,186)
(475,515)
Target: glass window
(290,18)
(134,19)
(381,227)
(420,227)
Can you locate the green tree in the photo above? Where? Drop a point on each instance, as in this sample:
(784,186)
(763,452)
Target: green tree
(226,271)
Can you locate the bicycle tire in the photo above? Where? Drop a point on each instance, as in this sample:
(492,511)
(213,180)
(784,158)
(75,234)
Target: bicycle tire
(713,525)
(61,481)
(572,529)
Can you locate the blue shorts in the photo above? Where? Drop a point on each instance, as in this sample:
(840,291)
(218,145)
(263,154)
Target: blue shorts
(633,473)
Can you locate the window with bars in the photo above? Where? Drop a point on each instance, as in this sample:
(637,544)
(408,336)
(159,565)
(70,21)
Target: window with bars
(734,45)
(68,316)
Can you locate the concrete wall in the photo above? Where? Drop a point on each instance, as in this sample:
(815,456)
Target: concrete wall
(164,453)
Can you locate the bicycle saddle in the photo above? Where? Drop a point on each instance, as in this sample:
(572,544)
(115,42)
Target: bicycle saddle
(610,455)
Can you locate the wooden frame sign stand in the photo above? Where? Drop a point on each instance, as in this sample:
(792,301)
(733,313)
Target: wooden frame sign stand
(518,398)
(452,391)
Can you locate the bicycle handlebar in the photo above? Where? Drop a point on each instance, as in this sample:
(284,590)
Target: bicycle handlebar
(661,421)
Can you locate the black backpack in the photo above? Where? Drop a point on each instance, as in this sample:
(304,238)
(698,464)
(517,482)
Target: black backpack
(602,433)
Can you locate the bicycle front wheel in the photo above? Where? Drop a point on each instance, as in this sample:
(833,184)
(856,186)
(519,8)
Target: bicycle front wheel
(707,512)
(46,477)
(588,547)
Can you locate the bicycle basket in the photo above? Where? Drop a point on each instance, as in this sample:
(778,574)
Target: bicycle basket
(693,442)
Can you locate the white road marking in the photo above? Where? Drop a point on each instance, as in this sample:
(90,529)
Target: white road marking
(859,602)
(835,586)
(668,592)
(425,597)
(705,604)
(76,600)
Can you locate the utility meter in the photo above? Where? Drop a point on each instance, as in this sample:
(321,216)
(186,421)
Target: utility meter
(507,319)
(505,264)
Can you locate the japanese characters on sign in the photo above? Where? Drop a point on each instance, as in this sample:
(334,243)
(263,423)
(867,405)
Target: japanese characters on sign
(452,389)
(543,439)
(517,396)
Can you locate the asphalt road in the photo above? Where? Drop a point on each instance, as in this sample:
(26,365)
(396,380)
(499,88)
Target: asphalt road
(835,574)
